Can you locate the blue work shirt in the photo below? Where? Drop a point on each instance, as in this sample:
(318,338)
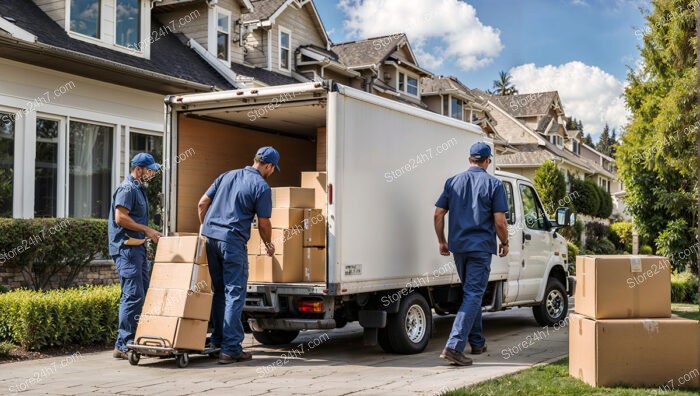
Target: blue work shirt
(236,196)
(131,195)
(472,197)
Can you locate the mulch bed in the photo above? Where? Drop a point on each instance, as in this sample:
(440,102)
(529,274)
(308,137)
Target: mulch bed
(19,354)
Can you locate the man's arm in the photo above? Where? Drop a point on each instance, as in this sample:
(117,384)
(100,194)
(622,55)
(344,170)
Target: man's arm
(203,207)
(265,230)
(439,220)
(122,218)
(502,232)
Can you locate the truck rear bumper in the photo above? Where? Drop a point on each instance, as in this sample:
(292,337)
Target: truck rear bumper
(261,324)
(571,287)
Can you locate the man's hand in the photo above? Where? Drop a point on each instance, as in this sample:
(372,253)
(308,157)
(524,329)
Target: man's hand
(153,234)
(444,251)
(502,250)
(270,247)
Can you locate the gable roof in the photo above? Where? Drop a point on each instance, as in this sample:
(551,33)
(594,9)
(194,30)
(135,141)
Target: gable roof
(368,52)
(265,76)
(525,105)
(269,10)
(435,85)
(172,66)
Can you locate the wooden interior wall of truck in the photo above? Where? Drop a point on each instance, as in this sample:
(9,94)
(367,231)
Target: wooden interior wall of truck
(218,147)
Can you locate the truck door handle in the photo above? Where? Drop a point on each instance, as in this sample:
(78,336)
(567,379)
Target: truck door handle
(526,236)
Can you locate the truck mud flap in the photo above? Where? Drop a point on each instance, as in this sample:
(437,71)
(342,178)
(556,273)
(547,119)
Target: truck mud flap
(261,324)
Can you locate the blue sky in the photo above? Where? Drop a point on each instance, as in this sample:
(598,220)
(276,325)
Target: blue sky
(581,48)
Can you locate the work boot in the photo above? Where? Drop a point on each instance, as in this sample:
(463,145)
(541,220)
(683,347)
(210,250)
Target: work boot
(477,350)
(117,354)
(455,357)
(227,359)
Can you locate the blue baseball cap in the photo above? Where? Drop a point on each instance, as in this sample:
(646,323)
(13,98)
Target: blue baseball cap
(145,159)
(480,150)
(269,154)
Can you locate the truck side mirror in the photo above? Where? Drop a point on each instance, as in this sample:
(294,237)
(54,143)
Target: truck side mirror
(564,217)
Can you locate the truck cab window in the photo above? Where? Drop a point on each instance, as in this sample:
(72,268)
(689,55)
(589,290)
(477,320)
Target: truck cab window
(535,218)
(511,202)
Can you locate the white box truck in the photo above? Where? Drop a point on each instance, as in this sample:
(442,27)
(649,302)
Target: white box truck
(386,165)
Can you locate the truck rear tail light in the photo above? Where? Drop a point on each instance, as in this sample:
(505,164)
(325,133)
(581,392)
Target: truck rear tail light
(330,194)
(310,306)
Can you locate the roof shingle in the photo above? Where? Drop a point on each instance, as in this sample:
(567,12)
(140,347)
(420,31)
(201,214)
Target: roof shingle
(371,51)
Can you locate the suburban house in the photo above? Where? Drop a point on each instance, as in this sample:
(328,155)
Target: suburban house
(83,83)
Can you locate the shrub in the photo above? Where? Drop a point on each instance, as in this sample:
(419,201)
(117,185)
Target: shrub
(606,205)
(623,233)
(673,242)
(585,197)
(572,252)
(574,232)
(42,248)
(6,348)
(598,239)
(38,319)
(646,249)
(551,186)
(3,289)
(684,287)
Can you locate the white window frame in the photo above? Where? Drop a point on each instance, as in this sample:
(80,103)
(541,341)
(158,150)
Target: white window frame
(405,84)
(450,114)
(61,163)
(282,29)
(214,30)
(107,39)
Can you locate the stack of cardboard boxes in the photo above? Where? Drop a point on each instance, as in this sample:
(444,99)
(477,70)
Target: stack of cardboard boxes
(178,301)
(623,331)
(298,233)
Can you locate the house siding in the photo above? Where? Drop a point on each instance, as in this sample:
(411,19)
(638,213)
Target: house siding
(256,45)
(304,32)
(55,9)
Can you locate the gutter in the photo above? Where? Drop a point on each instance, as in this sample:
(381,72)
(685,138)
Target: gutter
(62,53)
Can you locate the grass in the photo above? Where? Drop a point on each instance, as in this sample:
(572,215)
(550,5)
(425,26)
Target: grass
(552,379)
(689,311)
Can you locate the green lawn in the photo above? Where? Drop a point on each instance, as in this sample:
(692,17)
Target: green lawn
(551,379)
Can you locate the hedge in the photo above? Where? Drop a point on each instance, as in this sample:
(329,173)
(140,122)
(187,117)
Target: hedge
(43,248)
(585,196)
(86,315)
(572,252)
(623,235)
(684,287)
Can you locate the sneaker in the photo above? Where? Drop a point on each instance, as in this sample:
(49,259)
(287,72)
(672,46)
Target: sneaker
(228,359)
(478,351)
(455,357)
(117,354)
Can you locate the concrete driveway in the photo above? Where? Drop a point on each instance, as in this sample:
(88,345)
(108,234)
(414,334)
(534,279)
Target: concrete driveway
(318,363)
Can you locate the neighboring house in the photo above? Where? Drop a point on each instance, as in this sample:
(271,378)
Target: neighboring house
(387,67)
(83,83)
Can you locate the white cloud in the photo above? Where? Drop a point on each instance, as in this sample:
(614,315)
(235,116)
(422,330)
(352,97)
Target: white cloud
(453,24)
(588,93)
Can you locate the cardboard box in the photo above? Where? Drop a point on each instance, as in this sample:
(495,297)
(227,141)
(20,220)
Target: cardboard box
(287,217)
(181,249)
(292,197)
(314,228)
(314,264)
(623,287)
(317,181)
(254,242)
(279,268)
(180,333)
(635,352)
(178,303)
(287,242)
(181,276)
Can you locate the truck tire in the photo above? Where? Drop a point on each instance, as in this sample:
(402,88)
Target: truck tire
(383,339)
(275,337)
(554,306)
(409,329)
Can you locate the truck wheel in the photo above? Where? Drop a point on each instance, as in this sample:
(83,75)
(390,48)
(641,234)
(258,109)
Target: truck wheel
(383,340)
(554,305)
(409,329)
(275,337)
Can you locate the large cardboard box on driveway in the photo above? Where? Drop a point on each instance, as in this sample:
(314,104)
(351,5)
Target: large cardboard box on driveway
(623,287)
(636,352)
(181,276)
(179,303)
(181,249)
(180,333)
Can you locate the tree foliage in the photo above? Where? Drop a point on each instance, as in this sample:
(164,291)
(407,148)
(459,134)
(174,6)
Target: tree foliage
(551,186)
(585,196)
(657,155)
(607,142)
(503,86)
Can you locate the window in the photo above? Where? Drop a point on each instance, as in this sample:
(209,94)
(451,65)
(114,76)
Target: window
(535,218)
(128,22)
(511,202)
(89,170)
(412,85)
(557,139)
(456,108)
(223,32)
(285,48)
(152,144)
(445,105)
(7,162)
(46,168)
(576,147)
(402,82)
(85,17)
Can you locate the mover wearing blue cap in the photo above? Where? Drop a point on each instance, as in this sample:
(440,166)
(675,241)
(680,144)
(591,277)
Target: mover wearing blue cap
(477,204)
(127,230)
(226,212)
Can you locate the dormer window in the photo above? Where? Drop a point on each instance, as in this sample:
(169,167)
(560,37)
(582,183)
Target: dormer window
(558,140)
(220,33)
(285,43)
(408,84)
(576,147)
(85,17)
(128,23)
